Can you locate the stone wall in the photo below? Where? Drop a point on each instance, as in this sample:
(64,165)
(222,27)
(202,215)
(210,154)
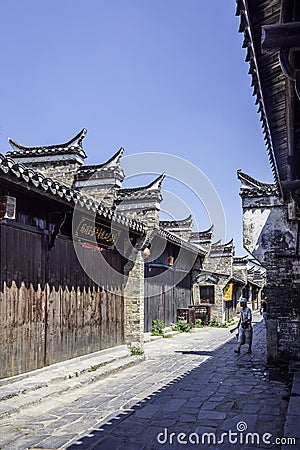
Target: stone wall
(102,182)
(147,212)
(62,172)
(217,310)
(271,237)
(105,194)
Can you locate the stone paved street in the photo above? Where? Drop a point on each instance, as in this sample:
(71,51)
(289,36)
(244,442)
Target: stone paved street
(192,383)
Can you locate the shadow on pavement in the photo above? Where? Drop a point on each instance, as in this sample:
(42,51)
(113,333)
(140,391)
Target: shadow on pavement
(210,398)
(194,352)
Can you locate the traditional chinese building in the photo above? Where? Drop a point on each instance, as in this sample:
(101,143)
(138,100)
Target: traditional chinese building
(223,279)
(271,212)
(55,304)
(217,285)
(96,268)
(170,273)
(59,162)
(171,262)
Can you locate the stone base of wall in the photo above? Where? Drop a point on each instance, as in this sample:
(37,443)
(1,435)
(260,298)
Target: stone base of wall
(283,300)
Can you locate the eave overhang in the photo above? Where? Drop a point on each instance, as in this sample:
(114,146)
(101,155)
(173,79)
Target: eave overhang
(272,89)
(33,180)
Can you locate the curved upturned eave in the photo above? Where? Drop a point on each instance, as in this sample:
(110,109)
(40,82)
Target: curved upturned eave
(93,168)
(220,244)
(209,230)
(114,159)
(187,221)
(155,184)
(75,141)
(62,192)
(253,182)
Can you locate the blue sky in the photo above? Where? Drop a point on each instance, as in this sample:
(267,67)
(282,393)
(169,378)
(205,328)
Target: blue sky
(162,76)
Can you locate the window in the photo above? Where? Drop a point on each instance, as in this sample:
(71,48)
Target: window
(207,294)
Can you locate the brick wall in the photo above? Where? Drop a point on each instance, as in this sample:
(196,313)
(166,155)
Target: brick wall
(63,171)
(134,300)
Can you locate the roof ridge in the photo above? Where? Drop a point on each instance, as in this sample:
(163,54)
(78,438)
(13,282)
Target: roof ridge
(157,181)
(251,186)
(182,221)
(251,181)
(178,240)
(221,244)
(75,144)
(209,230)
(94,167)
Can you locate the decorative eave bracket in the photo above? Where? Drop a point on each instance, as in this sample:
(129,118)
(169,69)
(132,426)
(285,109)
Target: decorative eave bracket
(284,38)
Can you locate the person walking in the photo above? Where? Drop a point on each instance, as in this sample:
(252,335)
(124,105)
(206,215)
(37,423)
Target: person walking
(263,309)
(245,327)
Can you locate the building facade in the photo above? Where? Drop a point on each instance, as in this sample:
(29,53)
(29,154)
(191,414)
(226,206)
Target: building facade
(271,212)
(85,264)
(54,302)
(224,278)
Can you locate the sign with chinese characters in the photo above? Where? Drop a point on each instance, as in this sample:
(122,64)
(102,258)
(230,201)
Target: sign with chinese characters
(94,233)
(227,292)
(288,326)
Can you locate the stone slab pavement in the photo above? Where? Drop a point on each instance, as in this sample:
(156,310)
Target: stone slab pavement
(191,391)
(21,391)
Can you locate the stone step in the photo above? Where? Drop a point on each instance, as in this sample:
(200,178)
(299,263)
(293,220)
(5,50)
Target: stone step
(20,392)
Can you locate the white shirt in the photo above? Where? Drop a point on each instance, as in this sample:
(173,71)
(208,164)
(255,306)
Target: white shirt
(246,314)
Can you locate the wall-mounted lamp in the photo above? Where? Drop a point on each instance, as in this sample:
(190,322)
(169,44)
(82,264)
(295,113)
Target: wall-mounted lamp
(170,260)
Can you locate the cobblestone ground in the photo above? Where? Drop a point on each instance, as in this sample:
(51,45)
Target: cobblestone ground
(188,385)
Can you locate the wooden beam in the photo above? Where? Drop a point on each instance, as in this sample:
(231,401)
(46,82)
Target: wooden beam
(276,37)
(290,127)
(291,185)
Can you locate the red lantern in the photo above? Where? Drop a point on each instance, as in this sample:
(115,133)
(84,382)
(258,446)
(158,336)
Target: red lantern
(170,260)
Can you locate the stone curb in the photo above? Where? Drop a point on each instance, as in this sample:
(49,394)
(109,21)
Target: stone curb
(149,338)
(23,394)
(291,427)
(106,354)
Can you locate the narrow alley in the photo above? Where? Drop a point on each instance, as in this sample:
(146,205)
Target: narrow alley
(192,391)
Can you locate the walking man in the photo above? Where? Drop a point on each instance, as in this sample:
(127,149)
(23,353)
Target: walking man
(263,309)
(245,327)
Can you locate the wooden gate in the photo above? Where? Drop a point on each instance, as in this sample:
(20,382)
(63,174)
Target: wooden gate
(163,299)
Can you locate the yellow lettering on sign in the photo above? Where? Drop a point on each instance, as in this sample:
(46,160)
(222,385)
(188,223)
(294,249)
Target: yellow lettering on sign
(97,232)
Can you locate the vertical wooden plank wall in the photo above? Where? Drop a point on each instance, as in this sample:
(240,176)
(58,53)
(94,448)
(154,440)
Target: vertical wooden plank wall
(49,308)
(22,301)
